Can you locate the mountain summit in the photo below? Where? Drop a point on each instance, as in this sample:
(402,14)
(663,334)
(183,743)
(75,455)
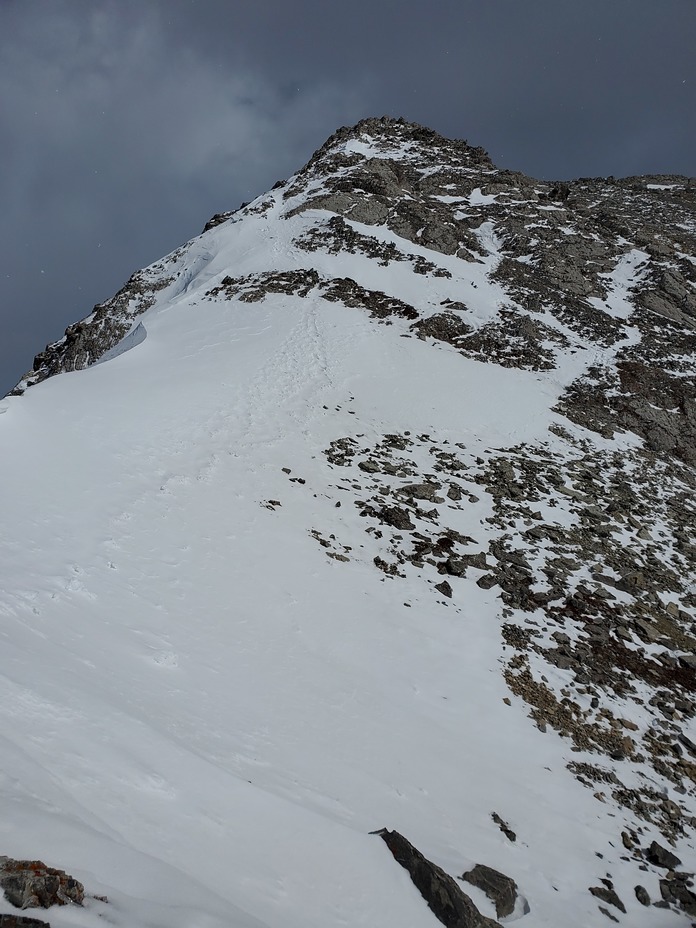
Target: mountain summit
(357,532)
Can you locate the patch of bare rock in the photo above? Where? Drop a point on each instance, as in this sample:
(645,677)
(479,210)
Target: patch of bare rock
(445,899)
(32,884)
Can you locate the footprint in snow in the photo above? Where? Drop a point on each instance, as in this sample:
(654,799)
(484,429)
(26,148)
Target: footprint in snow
(164,658)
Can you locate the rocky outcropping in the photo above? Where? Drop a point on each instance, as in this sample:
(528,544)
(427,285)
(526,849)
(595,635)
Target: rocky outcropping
(445,899)
(500,889)
(32,884)
(87,341)
(564,248)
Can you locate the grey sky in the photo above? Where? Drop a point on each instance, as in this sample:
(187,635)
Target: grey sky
(124,125)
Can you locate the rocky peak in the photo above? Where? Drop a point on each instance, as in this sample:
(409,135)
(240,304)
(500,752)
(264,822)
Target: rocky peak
(559,247)
(578,535)
(395,135)
(564,249)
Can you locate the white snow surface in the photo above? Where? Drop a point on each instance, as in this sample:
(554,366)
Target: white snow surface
(624,277)
(201,715)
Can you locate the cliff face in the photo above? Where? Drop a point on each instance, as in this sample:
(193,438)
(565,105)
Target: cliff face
(466,399)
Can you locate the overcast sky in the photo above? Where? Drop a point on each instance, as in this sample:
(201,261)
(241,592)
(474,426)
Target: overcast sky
(125,124)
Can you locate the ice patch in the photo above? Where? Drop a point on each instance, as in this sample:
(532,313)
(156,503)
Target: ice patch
(620,282)
(477,198)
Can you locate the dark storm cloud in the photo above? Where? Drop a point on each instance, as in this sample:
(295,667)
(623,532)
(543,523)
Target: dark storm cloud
(125,125)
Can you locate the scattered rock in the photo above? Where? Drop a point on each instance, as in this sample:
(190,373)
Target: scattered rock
(504,827)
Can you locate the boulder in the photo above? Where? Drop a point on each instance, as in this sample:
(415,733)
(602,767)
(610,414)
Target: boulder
(31,884)
(445,899)
(397,518)
(661,857)
(608,894)
(500,889)
(642,895)
(426,491)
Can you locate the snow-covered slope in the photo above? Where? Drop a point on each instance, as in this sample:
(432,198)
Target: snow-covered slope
(360,521)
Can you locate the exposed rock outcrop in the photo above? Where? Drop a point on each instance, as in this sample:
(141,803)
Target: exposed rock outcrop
(87,341)
(32,884)
(500,889)
(661,857)
(444,897)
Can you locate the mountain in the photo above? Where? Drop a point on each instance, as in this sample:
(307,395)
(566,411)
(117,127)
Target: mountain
(371,507)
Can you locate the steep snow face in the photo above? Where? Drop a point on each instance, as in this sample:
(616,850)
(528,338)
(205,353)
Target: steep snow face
(228,653)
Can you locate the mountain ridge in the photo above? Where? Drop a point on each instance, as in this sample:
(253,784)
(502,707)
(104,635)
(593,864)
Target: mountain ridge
(533,272)
(453,402)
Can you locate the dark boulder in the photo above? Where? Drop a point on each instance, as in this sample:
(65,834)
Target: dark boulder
(608,894)
(425,490)
(500,889)
(397,518)
(445,899)
(455,567)
(661,857)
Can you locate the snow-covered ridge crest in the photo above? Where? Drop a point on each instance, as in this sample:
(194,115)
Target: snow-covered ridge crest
(556,248)
(377,512)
